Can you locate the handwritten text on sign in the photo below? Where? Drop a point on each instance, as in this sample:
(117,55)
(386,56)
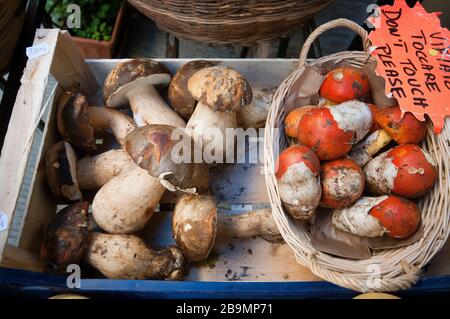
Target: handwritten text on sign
(413,53)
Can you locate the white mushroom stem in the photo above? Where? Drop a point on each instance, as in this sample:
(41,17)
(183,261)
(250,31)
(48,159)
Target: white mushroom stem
(364,151)
(126,202)
(254,223)
(128,257)
(103,118)
(255,113)
(208,129)
(356,219)
(146,101)
(94,172)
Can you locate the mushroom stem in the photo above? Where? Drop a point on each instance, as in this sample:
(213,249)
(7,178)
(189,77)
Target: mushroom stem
(146,101)
(119,256)
(200,126)
(363,152)
(94,172)
(126,202)
(102,118)
(253,223)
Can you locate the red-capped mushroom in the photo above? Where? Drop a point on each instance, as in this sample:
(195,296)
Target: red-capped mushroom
(403,130)
(373,217)
(331,131)
(405,170)
(293,118)
(345,84)
(342,183)
(297,173)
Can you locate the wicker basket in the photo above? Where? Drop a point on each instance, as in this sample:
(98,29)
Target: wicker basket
(399,268)
(235,22)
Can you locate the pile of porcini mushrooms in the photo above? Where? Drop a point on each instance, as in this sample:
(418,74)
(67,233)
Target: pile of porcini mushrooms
(360,160)
(128,180)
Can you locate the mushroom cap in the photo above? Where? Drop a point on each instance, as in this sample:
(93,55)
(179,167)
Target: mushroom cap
(151,147)
(399,216)
(296,154)
(194,225)
(293,118)
(73,121)
(345,84)
(342,182)
(66,239)
(61,173)
(131,74)
(178,93)
(318,130)
(416,173)
(406,130)
(221,88)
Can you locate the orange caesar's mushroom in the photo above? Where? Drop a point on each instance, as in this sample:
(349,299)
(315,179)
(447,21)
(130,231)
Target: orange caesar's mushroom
(405,170)
(221,92)
(406,130)
(66,238)
(196,224)
(135,82)
(67,176)
(77,122)
(373,217)
(331,131)
(178,93)
(126,202)
(297,173)
(342,183)
(293,118)
(344,84)
(122,256)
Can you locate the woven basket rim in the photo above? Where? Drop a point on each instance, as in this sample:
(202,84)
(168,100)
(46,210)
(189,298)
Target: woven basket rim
(400,267)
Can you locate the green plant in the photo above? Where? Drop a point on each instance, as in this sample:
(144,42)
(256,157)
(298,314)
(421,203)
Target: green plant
(97,17)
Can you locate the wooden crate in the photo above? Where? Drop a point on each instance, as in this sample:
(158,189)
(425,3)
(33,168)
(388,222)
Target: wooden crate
(238,264)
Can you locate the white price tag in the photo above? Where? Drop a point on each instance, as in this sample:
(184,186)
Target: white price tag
(3,221)
(37,50)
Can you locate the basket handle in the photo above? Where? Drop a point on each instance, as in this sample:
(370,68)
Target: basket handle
(328,26)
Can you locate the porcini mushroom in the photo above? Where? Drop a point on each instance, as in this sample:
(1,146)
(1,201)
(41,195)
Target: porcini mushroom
(77,122)
(61,173)
(136,82)
(373,217)
(405,170)
(221,92)
(126,202)
(178,93)
(67,176)
(120,256)
(66,238)
(297,173)
(342,183)
(255,113)
(196,224)
(345,84)
(392,126)
(331,131)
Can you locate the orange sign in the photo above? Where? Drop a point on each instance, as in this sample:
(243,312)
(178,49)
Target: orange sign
(413,53)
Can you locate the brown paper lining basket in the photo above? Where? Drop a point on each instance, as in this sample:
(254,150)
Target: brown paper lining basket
(398,268)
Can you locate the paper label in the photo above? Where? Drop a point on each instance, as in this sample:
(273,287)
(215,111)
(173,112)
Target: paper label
(37,50)
(413,53)
(3,221)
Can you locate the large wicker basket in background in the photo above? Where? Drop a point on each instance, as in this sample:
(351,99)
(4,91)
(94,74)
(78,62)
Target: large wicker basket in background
(236,22)
(399,268)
